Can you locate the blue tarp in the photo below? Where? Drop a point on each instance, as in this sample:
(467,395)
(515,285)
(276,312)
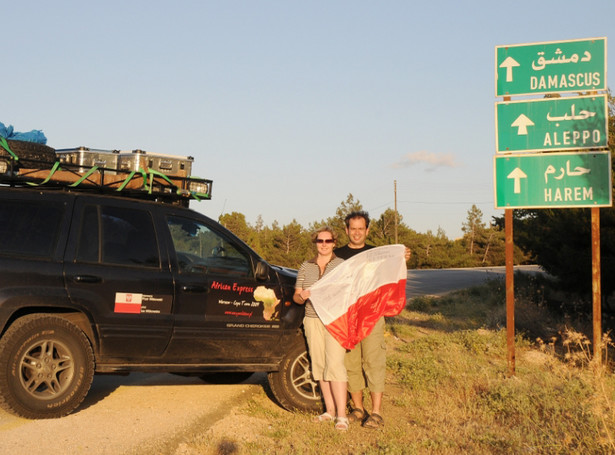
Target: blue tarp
(31,136)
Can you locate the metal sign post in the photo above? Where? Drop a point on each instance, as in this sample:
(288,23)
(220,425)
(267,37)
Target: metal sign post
(596,288)
(510,290)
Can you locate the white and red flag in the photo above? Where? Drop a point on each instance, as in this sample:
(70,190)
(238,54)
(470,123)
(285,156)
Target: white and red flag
(352,297)
(127,302)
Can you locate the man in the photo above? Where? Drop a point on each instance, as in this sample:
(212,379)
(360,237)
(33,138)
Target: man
(367,361)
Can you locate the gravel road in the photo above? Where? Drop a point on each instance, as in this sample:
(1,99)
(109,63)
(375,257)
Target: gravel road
(135,414)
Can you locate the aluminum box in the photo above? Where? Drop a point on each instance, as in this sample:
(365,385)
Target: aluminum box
(180,166)
(86,158)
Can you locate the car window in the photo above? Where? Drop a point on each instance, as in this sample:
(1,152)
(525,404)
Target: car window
(119,236)
(200,249)
(29,228)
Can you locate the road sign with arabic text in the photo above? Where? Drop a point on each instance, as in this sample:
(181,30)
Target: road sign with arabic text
(550,67)
(553,180)
(571,123)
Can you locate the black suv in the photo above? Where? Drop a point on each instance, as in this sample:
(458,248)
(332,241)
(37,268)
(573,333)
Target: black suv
(93,283)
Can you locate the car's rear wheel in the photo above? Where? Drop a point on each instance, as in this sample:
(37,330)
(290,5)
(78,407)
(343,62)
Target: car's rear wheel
(46,367)
(292,385)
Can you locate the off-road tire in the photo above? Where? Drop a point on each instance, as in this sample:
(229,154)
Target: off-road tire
(292,385)
(30,154)
(46,367)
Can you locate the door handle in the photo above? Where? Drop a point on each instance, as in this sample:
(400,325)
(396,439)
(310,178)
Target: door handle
(87,279)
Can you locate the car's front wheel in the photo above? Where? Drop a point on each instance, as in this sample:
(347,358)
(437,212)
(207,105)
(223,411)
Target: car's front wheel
(293,385)
(46,367)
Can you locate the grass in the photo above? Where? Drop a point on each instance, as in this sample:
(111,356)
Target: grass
(449,390)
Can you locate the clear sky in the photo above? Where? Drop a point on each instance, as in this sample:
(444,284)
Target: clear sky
(287,106)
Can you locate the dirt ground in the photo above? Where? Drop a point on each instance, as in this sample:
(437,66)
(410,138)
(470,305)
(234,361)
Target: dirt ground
(253,423)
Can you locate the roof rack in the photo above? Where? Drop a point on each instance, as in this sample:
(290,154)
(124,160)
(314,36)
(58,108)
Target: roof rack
(142,182)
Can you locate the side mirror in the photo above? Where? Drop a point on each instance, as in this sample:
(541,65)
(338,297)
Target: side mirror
(262,271)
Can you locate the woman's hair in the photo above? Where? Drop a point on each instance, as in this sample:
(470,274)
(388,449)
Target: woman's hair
(324,229)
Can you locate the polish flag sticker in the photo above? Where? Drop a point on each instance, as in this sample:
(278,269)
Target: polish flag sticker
(127,302)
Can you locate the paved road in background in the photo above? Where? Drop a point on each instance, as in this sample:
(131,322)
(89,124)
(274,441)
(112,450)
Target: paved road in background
(442,281)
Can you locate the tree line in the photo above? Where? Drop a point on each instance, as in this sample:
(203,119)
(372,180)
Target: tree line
(289,245)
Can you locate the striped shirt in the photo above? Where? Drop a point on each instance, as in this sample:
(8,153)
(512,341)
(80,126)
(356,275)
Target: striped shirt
(308,274)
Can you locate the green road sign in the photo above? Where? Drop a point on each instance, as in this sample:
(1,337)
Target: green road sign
(571,123)
(550,67)
(553,180)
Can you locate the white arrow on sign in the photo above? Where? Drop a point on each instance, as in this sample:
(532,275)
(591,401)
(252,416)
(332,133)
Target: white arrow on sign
(517,174)
(509,64)
(522,122)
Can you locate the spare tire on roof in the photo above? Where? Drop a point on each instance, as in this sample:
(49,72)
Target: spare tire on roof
(30,154)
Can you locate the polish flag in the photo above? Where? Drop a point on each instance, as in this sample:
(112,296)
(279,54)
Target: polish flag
(127,302)
(352,297)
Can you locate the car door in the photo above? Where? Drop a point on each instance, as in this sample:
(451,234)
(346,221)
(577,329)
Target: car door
(224,314)
(116,270)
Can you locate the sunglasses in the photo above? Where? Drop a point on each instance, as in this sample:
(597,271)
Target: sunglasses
(325,241)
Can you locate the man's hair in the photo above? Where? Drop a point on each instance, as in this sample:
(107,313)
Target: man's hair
(357,214)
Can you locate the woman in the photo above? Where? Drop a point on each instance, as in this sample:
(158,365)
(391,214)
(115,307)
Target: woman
(326,353)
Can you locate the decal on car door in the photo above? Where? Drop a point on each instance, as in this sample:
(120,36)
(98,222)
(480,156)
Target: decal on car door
(136,303)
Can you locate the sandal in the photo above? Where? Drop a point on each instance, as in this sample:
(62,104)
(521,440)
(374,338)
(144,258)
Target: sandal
(341,423)
(324,417)
(357,415)
(374,421)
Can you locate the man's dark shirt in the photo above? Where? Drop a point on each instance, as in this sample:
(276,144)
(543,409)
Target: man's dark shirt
(345,252)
